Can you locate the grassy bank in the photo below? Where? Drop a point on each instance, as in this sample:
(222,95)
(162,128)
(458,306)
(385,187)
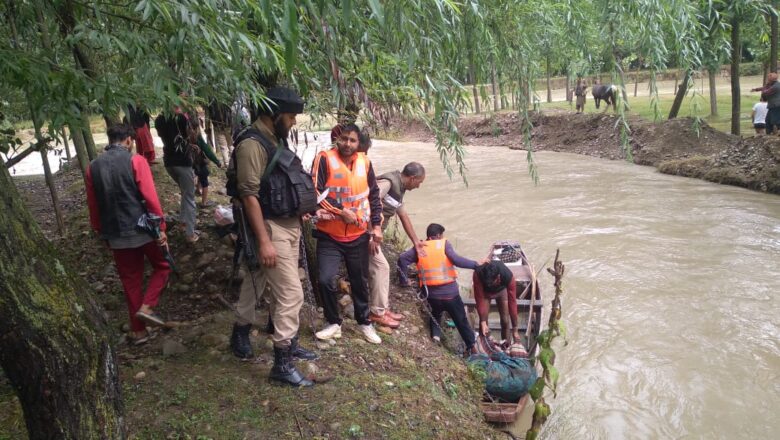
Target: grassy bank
(186,384)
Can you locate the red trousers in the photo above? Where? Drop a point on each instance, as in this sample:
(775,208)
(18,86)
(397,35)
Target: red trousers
(144,144)
(130,266)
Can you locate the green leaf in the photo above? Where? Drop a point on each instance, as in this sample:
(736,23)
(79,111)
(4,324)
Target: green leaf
(376,9)
(546,357)
(346,11)
(537,389)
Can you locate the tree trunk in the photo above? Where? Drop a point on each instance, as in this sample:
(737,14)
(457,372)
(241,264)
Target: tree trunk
(549,88)
(713,94)
(568,87)
(18,158)
(495,87)
(636,81)
(66,144)
(501,97)
(764,71)
(86,130)
(773,39)
(680,95)
(81,149)
(54,342)
(55,199)
(736,56)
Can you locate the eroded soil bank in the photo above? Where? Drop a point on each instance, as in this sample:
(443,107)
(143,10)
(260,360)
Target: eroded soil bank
(673,146)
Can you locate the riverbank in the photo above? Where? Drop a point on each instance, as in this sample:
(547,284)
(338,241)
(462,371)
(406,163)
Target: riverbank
(186,384)
(672,146)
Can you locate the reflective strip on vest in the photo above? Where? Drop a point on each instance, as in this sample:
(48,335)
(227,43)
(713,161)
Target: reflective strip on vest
(349,187)
(389,200)
(435,269)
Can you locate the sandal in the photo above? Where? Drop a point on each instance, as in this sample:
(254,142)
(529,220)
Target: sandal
(143,339)
(150,318)
(194,237)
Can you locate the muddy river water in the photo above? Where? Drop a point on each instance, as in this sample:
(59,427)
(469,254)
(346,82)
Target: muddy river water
(671,288)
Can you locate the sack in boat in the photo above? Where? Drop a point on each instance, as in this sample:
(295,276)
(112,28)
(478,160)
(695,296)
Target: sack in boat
(506,379)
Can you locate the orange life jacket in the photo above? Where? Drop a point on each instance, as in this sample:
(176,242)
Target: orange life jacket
(435,269)
(348,187)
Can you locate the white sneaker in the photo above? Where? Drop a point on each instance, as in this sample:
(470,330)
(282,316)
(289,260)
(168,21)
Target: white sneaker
(332,331)
(370,334)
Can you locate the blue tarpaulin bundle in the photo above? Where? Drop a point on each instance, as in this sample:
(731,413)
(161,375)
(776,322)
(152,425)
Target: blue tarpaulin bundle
(506,378)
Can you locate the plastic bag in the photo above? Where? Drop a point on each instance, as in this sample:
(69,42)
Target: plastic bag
(223,215)
(506,379)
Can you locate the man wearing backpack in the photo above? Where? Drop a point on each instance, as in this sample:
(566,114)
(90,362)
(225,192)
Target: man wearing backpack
(273,190)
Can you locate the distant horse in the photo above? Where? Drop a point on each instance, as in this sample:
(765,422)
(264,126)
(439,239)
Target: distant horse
(605,92)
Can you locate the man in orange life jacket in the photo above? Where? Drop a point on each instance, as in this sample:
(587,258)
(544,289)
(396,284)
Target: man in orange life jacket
(348,179)
(439,282)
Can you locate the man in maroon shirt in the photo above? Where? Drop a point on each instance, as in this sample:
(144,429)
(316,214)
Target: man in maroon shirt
(494,280)
(120,189)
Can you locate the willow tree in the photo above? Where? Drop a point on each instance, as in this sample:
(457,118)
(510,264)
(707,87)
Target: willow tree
(149,51)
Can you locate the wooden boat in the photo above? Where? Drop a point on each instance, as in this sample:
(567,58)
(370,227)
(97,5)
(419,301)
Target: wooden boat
(496,412)
(529,296)
(529,316)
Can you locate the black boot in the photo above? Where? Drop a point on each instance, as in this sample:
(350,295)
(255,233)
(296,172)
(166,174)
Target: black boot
(301,354)
(239,341)
(284,370)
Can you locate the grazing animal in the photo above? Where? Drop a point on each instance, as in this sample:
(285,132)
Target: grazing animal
(605,92)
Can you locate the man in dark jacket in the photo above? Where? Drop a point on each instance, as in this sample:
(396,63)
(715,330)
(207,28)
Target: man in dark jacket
(174,131)
(771,92)
(120,189)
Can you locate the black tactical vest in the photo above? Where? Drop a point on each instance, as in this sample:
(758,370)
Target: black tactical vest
(286,189)
(119,201)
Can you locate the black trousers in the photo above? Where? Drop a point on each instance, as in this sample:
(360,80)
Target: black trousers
(455,308)
(330,254)
(772,119)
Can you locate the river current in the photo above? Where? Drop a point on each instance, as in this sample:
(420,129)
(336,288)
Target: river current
(670,289)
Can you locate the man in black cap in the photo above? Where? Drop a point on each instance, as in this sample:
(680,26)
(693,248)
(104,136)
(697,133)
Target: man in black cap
(273,189)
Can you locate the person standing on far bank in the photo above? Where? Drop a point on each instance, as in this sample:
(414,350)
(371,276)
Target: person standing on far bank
(120,189)
(771,92)
(274,191)
(580,93)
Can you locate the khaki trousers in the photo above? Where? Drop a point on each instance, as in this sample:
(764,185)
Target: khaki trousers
(286,296)
(225,142)
(378,283)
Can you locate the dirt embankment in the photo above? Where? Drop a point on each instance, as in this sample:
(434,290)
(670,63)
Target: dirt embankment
(185,383)
(674,146)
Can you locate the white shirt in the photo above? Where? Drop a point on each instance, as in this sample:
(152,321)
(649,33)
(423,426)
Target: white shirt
(761,111)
